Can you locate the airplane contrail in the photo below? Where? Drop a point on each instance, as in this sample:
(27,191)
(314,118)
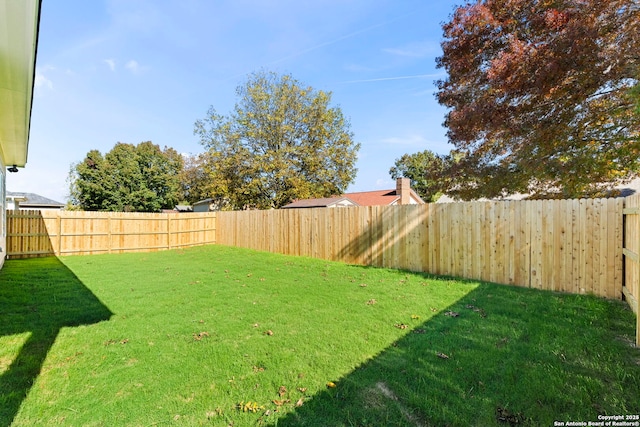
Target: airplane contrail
(381,79)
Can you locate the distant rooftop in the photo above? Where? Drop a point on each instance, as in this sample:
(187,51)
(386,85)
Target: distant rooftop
(326,202)
(34,201)
(401,195)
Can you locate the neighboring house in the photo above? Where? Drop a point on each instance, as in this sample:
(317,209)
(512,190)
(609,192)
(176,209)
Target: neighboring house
(328,202)
(179,209)
(19,25)
(25,201)
(207,205)
(622,190)
(401,195)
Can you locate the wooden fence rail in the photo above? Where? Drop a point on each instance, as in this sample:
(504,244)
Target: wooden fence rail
(38,233)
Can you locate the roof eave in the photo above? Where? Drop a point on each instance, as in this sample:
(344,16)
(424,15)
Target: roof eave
(19,29)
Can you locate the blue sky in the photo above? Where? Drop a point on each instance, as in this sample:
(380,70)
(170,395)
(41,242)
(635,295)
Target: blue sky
(145,70)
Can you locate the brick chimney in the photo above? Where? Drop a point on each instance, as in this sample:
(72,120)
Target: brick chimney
(403,189)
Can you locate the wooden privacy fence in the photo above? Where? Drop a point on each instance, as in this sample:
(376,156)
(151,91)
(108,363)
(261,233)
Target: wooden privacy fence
(39,233)
(631,251)
(561,245)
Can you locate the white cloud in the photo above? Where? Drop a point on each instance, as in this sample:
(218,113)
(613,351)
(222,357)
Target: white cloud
(382,79)
(41,82)
(133,66)
(111,63)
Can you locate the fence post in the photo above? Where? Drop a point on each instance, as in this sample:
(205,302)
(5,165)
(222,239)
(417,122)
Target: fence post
(629,255)
(109,243)
(168,231)
(59,223)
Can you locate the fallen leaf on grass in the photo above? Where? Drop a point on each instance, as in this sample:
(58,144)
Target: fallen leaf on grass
(400,326)
(201,335)
(302,389)
(300,402)
(442,355)
(363,285)
(269,332)
(331,384)
(215,413)
(503,415)
(477,310)
(371,301)
(282,391)
(280,402)
(109,342)
(415,316)
(452,313)
(78,353)
(249,406)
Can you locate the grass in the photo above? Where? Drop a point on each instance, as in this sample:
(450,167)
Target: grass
(224,336)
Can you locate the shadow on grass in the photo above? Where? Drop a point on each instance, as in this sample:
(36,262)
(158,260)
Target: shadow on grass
(38,297)
(511,356)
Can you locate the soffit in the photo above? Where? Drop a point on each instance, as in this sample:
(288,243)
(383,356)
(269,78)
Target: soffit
(19,21)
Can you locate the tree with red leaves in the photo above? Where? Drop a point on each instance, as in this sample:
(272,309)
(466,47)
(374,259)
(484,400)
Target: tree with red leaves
(541,96)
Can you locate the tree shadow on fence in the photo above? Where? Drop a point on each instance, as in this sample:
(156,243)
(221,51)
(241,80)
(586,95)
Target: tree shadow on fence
(502,360)
(384,236)
(38,297)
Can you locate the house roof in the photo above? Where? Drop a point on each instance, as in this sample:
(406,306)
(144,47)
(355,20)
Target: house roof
(19,24)
(365,198)
(203,202)
(374,198)
(622,190)
(318,203)
(34,200)
(380,197)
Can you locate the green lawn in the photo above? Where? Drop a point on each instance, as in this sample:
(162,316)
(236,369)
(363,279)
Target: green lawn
(224,336)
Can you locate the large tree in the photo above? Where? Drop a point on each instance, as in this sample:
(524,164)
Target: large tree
(283,141)
(195,178)
(540,95)
(128,178)
(427,171)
